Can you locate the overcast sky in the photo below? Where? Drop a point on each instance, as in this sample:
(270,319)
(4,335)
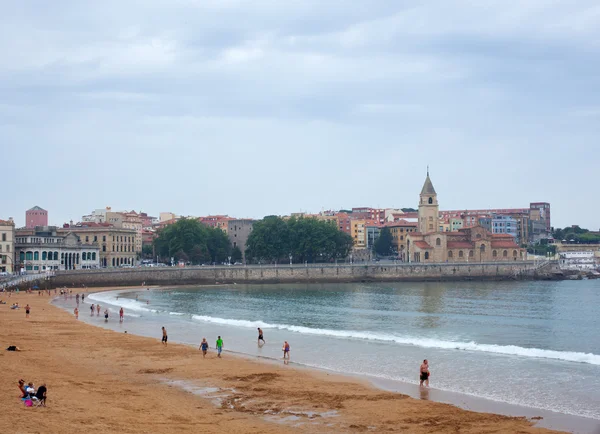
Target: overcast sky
(250,108)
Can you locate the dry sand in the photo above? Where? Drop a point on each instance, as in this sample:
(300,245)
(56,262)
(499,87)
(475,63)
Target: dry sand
(105,382)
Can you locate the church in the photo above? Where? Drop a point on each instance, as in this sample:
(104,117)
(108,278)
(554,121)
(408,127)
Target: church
(474,244)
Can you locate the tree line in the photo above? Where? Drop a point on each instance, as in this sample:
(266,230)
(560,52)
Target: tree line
(274,239)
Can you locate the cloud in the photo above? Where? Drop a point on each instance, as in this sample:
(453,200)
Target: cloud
(318,103)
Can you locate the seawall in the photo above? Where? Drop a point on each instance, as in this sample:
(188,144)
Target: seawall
(298,273)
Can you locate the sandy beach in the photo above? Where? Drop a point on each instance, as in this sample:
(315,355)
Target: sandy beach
(103,381)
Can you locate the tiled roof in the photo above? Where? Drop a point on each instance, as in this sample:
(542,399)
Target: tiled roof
(502,236)
(504,245)
(36,208)
(422,245)
(459,245)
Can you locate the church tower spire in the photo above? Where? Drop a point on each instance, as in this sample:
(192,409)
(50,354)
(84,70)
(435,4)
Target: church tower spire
(428,208)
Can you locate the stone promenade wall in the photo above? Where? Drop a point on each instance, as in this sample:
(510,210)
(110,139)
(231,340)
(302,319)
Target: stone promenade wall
(282,273)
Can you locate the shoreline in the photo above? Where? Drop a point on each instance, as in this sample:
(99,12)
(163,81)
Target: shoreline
(359,405)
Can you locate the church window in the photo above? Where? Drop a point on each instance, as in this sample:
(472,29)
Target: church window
(478,236)
(494,253)
(430,200)
(450,253)
(471,253)
(505,253)
(514,253)
(426,255)
(438,242)
(460,254)
(482,248)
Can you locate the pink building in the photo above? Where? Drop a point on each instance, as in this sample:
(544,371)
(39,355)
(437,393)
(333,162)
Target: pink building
(36,216)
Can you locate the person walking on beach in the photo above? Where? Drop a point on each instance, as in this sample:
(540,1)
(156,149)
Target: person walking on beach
(76,312)
(260,336)
(424,373)
(286,350)
(27,309)
(106,315)
(82,297)
(97,310)
(219,346)
(203,347)
(164,337)
(121,315)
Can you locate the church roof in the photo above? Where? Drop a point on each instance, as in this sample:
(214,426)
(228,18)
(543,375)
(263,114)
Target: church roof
(428,187)
(504,245)
(459,245)
(422,245)
(36,208)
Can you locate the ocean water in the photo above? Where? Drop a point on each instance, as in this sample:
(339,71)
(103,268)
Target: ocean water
(535,344)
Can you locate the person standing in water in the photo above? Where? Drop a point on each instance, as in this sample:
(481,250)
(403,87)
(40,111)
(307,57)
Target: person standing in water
(106,315)
(77,298)
(219,346)
(203,347)
(98,310)
(424,373)
(286,350)
(164,337)
(260,336)
(121,315)
(92,309)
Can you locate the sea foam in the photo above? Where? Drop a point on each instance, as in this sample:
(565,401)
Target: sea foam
(513,350)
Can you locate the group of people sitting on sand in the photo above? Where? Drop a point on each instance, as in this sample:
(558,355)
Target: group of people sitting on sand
(30,394)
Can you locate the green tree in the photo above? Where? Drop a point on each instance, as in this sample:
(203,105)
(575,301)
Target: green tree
(383,245)
(236,254)
(305,239)
(190,240)
(147,251)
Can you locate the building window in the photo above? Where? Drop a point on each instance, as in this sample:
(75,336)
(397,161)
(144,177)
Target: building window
(36,256)
(87,239)
(482,248)
(505,253)
(514,253)
(450,253)
(471,253)
(104,248)
(426,255)
(430,200)
(438,242)
(93,256)
(44,256)
(103,238)
(460,254)
(21,256)
(494,253)
(3,236)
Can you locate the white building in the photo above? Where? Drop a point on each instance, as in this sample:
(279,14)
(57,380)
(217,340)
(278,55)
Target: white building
(43,249)
(578,260)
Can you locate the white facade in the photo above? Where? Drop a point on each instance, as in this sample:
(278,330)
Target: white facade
(45,250)
(578,260)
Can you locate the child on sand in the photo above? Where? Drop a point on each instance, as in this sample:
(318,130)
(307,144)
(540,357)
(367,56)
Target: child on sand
(27,309)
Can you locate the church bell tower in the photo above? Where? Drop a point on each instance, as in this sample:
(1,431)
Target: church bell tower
(429,211)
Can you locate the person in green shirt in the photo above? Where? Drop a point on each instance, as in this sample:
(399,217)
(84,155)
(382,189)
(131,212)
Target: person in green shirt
(219,346)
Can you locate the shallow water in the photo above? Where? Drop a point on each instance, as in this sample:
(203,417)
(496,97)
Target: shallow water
(534,344)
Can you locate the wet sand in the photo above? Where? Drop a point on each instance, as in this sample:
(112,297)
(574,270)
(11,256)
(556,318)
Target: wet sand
(103,381)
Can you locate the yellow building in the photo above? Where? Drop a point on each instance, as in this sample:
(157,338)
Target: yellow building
(117,245)
(400,231)
(359,233)
(474,244)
